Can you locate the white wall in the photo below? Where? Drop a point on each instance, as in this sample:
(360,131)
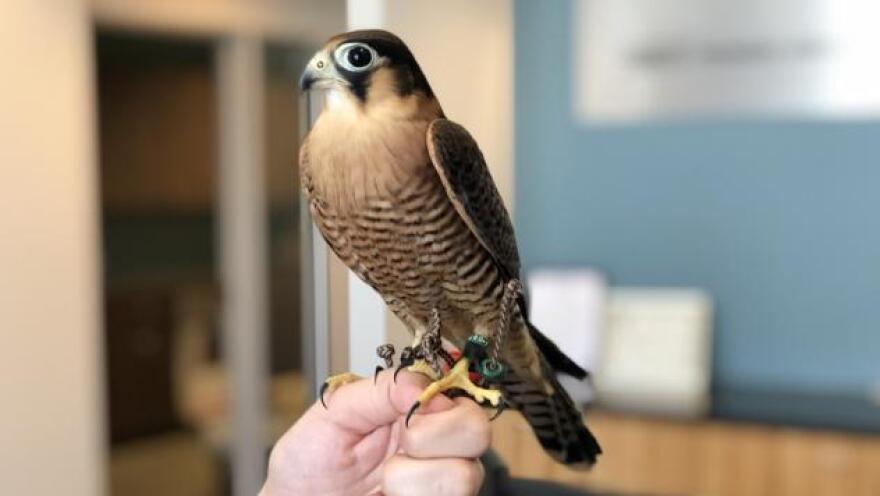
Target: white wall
(51,408)
(465,48)
(305,20)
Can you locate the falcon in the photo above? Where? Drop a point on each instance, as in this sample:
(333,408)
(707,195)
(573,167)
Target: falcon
(404,198)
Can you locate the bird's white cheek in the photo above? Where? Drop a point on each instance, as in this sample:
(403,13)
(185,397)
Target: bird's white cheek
(340,101)
(335,100)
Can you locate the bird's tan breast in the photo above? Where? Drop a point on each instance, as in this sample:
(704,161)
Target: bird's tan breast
(386,214)
(356,154)
(383,209)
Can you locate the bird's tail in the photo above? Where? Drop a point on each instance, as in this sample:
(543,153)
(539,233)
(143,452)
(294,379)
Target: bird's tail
(557,422)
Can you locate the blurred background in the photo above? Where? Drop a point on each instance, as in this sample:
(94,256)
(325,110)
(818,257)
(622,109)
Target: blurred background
(691,185)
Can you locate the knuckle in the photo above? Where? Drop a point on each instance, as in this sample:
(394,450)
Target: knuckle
(479,432)
(413,440)
(468,405)
(478,439)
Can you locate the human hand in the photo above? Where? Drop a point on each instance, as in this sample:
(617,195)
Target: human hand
(359,445)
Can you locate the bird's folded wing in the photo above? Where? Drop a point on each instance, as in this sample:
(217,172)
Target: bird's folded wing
(462,169)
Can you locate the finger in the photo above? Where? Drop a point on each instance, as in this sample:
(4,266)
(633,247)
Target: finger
(438,477)
(362,406)
(462,431)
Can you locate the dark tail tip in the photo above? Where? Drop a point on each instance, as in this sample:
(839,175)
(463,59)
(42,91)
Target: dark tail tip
(557,360)
(559,427)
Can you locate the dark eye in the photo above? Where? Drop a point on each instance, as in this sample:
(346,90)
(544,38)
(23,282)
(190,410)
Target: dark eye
(359,57)
(355,57)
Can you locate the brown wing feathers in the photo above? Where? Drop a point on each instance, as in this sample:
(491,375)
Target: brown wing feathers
(556,421)
(470,187)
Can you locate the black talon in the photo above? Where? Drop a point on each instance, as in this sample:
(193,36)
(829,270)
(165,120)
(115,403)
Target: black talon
(321,393)
(407,358)
(502,405)
(379,368)
(397,371)
(412,410)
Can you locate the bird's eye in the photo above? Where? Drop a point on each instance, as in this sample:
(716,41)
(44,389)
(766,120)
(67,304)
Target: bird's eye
(355,57)
(359,57)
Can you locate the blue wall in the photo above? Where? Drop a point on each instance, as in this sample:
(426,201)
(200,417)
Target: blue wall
(778,220)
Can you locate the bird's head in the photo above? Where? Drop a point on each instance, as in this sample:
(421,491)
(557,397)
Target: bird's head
(367,65)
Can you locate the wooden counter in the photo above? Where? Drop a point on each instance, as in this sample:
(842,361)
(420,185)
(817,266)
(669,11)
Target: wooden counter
(708,457)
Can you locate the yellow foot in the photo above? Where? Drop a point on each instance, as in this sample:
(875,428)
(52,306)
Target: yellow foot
(419,366)
(422,367)
(457,378)
(335,382)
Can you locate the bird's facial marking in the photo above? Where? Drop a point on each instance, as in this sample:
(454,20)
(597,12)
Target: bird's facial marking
(371,74)
(353,62)
(357,62)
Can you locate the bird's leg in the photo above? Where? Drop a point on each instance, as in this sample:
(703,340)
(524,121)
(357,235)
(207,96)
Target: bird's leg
(493,367)
(512,291)
(474,359)
(413,358)
(432,343)
(335,382)
(422,356)
(422,366)
(427,349)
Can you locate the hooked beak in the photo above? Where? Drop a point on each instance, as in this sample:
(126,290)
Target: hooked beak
(307,79)
(318,72)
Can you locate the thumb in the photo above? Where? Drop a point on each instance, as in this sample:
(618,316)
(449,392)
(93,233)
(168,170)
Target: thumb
(362,406)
